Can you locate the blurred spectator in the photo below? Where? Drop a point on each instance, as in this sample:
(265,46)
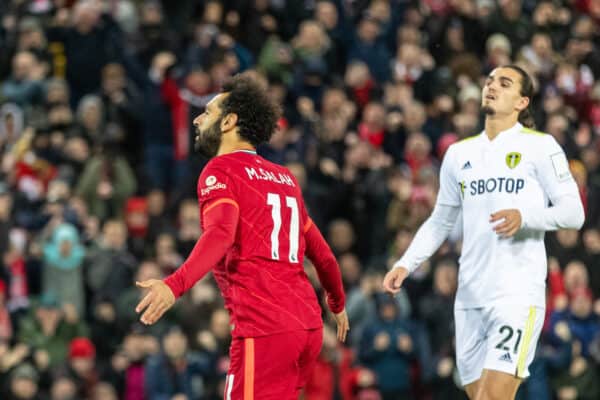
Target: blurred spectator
(176,371)
(106,182)
(387,347)
(63,271)
(50,328)
(23,383)
(97,175)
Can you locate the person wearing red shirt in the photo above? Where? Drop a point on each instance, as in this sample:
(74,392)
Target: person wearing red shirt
(256,231)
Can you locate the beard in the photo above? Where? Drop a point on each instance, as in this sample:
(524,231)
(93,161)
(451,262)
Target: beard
(487,110)
(208,141)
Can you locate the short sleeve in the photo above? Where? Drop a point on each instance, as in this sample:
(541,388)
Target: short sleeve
(449,193)
(553,171)
(215,184)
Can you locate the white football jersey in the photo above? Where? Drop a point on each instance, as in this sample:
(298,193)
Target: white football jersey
(522,169)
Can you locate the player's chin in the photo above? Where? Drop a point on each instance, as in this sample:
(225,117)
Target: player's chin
(488,110)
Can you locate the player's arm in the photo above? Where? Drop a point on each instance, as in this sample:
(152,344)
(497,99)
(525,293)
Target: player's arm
(558,183)
(319,252)
(220,224)
(435,229)
(555,178)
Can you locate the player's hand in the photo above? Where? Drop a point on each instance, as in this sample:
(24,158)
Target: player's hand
(156,302)
(392,282)
(511,223)
(343,326)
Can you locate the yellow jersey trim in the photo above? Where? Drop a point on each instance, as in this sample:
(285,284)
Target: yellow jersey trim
(530,131)
(523,352)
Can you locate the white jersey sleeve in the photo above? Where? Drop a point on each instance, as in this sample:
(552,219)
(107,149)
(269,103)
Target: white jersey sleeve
(553,173)
(438,226)
(449,193)
(429,237)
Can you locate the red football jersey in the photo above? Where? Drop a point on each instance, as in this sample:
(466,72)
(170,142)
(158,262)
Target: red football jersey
(262,277)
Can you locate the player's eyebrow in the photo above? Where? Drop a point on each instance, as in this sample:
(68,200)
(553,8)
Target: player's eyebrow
(506,79)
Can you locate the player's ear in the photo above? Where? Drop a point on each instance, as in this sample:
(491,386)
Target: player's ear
(229,121)
(522,104)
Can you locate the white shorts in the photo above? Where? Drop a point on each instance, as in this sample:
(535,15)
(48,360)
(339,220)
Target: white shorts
(500,337)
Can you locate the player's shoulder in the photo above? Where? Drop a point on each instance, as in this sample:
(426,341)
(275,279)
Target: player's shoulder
(469,143)
(534,138)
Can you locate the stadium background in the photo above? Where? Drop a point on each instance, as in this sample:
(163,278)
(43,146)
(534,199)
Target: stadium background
(97,182)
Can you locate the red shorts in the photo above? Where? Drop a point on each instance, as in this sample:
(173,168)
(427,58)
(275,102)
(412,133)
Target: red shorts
(272,367)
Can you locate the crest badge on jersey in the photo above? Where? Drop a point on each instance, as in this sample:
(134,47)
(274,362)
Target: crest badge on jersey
(513,159)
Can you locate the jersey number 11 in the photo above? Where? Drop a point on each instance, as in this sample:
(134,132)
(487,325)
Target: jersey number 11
(274,200)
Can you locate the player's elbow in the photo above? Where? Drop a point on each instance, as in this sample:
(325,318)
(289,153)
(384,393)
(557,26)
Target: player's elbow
(579,217)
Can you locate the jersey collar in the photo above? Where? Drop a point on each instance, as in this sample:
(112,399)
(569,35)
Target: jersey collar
(503,135)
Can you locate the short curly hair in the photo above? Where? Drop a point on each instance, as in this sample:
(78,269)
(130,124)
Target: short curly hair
(257,113)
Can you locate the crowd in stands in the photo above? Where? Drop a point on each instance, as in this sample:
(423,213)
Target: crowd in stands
(98,182)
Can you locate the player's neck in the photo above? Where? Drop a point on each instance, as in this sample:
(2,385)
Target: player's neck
(227,148)
(493,126)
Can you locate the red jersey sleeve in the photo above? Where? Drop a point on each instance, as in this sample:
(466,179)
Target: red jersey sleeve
(319,252)
(220,221)
(215,184)
(219,213)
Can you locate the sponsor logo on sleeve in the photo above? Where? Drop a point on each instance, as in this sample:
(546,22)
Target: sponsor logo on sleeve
(561,166)
(212,184)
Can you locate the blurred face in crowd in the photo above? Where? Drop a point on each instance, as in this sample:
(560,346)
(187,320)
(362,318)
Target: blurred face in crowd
(368,30)
(511,8)
(575,276)
(414,117)
(63,388)
(213,12)
(83,366)
(591,240)
(341,235)
(219,324)
(374,116)
(114,234)
(86,15)
(31,38)
(388,311)
(77,149)
(567,237)
(581,304)
(48,317)
(113,77)
(104,391)
(134,347)
(24,388)
(542,45)
(23,65)
(445,279)
(175,345)
(326,14)
(350,268)
(58,93)
(91,115)
(148,270)
(65,248)
(418,146)
(198,81)
(156,202)
(501,95)
(299,172)
(5,206)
